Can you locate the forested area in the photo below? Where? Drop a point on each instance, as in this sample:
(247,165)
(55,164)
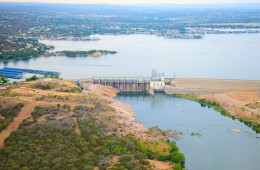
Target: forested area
(55,147)
(20,54)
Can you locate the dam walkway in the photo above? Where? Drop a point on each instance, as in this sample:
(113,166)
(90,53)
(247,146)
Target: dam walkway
(124,84)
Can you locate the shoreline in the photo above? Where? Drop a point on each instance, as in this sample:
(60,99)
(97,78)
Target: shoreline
(126,117)
(240,98)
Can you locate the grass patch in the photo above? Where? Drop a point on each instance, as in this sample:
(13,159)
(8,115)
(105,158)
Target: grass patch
(44,85)
(52,98)
(161,147)
(164,151)
(70,90)
(8,93)
(255,105)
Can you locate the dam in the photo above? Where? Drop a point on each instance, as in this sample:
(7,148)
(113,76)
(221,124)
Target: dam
(132,84)
(125,84)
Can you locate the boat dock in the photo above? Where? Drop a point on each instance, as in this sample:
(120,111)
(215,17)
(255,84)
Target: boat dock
(17,73)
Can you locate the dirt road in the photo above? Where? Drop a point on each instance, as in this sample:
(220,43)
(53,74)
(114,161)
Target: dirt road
(24,113)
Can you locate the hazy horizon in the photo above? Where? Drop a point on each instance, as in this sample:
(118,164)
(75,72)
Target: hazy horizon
(141,1)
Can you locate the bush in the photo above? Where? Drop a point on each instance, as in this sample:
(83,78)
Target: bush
(178,167)
(32,78)
(43,86)
(4,80)
(70,90)
(25,123)
(40,111)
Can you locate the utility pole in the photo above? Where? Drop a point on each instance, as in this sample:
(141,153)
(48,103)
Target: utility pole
(153,74)
(85,92)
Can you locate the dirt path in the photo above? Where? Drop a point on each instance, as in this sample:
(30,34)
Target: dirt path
(159,165)
(24,113)
(1,117)
(226,99)
(77,130)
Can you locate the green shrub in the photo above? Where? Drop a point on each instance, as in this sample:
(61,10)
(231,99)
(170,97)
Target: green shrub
(42,86)
(40,111)
(32,78)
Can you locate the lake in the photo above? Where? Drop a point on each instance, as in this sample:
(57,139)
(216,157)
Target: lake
(220,146)
(235,56)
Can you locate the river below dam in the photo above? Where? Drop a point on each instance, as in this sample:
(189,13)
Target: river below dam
(210,141)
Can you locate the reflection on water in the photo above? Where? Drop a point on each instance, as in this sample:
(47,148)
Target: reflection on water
(209,141)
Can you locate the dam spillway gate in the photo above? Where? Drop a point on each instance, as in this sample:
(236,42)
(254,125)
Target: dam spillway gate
(125,84)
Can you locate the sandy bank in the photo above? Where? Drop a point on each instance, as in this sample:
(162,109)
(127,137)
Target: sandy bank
(217,84)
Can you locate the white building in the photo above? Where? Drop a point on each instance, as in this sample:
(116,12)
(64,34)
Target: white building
(157,84)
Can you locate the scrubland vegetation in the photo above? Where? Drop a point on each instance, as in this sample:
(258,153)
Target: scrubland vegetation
(64,134)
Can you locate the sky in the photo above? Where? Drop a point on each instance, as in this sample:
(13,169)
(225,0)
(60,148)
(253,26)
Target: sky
(140,1)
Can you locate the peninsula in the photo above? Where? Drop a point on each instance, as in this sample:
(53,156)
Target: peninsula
(93,53)
(30,53)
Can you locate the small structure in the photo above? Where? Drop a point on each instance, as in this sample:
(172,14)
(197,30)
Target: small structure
(49,47)
(77,82)
(157,82)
